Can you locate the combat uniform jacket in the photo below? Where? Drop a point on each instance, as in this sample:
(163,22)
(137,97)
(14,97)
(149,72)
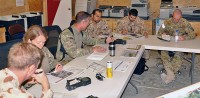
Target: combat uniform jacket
(184,27)
(9,87)
(48,62)
(136,27)
(75,44)
(95,29)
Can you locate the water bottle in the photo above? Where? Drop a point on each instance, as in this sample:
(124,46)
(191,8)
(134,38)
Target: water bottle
(176,35)
(109,70)
(112,48)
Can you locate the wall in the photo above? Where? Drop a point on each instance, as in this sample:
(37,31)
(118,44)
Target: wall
(154,4)
(8,7)
(35,5)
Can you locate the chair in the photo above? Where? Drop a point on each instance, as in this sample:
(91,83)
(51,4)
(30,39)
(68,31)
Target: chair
(53,35)
(4,50)
(16,31)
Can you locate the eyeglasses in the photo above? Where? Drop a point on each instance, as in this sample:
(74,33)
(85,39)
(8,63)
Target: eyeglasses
(99,77)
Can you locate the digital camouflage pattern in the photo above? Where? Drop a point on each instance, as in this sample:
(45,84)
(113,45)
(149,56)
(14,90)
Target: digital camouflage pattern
(172,63)
(72,43)
(95,29)
(50,64)
(186,30)
(9,87)
(136,27)
(184,27)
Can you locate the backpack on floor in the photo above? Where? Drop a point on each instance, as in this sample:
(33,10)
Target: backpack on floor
(141,67)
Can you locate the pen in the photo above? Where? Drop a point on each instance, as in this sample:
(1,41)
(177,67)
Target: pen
(132,48)
(119,64)
(59,80)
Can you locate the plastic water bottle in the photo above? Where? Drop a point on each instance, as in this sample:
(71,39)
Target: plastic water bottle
(176,35)
(109,70)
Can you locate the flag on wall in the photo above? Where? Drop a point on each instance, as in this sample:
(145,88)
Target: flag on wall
(52,7)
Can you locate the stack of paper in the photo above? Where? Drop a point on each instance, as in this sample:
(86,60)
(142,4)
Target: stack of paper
(97,56)
(66,73)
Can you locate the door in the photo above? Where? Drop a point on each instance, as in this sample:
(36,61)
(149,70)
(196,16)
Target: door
(59,13)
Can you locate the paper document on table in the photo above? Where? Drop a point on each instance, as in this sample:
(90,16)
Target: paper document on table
(96,67)
(119,65)
(135,35)
(129,53)
(97,56)
(133,47)
(65,73)
(64,95)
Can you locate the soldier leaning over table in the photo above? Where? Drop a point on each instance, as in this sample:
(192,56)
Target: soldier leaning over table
(97,26)
(186,32)
(23,61)
(133,24)
(78,44)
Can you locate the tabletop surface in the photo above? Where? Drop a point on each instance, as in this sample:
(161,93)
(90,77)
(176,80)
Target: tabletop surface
(114,87)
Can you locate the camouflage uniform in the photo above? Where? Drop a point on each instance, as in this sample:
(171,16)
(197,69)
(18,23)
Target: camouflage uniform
(95,29)
(48,62)
(185,29)
(136,27)
(73,43)
(9,87)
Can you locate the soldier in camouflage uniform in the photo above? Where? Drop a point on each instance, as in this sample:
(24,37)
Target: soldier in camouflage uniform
(186,32)
(131,24)
(97,26)
(23,61)
(75,43)
(37,36)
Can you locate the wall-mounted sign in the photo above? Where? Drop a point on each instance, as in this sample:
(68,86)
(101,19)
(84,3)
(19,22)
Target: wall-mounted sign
(19,2)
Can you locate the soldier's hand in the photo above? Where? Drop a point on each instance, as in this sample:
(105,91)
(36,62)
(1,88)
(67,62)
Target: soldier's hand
(100,33)
(42,79)
(124,32)
(98,49)
(145,34)
(109,39)
(58,67)
(181,38)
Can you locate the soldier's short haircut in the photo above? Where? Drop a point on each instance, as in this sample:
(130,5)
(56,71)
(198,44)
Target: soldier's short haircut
(133,12)
(177,11)
(81,16)
(22,55)
(96,10)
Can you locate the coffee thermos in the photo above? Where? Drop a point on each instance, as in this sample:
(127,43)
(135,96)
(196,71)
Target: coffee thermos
(112,48)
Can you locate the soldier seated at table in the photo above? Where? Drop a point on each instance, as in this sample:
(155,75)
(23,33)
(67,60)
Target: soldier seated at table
(97,26)
(74,43)
(186,32)
(131,24)
(23,61)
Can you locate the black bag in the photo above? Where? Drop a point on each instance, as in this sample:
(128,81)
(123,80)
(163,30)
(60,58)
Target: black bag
(141,67)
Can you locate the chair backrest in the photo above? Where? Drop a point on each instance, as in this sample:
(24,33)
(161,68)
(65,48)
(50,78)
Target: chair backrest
(53,35)
(16,31)
(4,50)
